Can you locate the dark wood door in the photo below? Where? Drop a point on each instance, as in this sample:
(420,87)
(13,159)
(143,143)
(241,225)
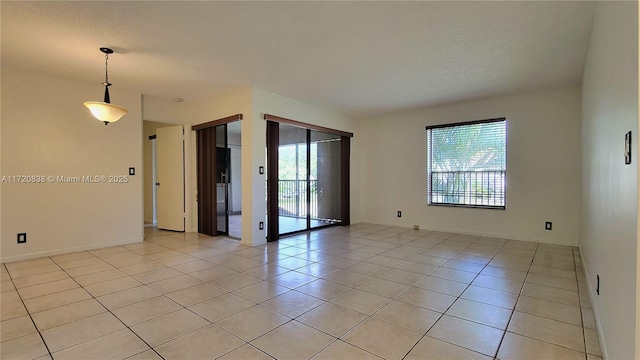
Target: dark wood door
(207,197)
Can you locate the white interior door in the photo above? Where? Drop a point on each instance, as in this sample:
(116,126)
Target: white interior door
(170,177)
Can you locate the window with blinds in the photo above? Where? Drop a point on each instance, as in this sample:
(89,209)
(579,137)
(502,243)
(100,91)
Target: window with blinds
(467,164)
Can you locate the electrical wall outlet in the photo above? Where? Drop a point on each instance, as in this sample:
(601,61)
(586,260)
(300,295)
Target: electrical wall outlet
(399,213)
(22,238)
(261,225)
(547,225)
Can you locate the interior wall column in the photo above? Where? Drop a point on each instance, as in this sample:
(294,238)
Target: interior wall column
(253,183)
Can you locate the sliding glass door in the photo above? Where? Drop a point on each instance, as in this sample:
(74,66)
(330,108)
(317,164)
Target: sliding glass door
(219,176)
(292,179)
(307,191)
(326,170)
(222,179)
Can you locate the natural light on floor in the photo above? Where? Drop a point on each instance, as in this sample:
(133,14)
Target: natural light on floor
(364,291)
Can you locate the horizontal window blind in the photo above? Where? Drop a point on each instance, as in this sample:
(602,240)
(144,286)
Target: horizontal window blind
(466,164)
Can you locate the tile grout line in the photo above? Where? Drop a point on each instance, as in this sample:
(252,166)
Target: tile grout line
(107,310)
(328,244)
(544,341)
(423,277)
(512,310)
(170,299)
(459,297)
(519,294)
(442,314)
(506,327)
(28,312)
(584,335)
(229,315)
(93,297)
(338,338)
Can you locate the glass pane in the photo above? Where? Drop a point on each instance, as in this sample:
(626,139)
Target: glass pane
(325,184)
(234,193)
(292,179)
(467,164)
(222,177)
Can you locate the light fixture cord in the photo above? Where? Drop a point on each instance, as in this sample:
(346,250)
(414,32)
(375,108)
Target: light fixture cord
(106,68)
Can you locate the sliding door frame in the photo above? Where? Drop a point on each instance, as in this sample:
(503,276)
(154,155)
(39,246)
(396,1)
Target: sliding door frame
(206,165)
(273,143)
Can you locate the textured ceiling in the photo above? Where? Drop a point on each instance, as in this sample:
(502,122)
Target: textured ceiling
(358,58)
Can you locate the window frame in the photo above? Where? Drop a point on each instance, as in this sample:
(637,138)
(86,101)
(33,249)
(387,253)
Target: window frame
(430,160)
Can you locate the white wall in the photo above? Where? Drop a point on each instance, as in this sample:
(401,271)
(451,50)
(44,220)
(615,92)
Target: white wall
(58,136)
(164,111)
(240,102)
(252,103)
(543,168)
(194,113)
(610,188)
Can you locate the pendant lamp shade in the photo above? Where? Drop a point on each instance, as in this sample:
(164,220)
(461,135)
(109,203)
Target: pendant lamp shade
(105,111)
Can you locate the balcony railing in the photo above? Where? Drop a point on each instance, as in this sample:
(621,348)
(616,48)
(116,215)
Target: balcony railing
(468,188)
(292,198)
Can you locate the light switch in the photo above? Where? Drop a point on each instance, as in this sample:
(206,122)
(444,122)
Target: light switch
(627,148)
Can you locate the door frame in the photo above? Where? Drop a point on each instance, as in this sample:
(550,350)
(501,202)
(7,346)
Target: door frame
(171,225)
(273,143)
(206,176)
(224,177)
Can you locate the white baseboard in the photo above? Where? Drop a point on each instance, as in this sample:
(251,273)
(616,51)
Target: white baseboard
(603,348)
(476,233)
(67,250)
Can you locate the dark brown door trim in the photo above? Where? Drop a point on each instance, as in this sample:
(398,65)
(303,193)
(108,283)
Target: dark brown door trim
(214,123)
(207,202)
(345,180)
(273,141)
(303,125)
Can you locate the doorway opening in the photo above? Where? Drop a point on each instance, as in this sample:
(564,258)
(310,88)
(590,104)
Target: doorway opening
(154,180)
(307,177)
(234,141)
(219,174)
(163,173)
(170,184)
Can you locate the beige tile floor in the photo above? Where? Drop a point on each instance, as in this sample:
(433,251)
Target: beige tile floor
(359,292)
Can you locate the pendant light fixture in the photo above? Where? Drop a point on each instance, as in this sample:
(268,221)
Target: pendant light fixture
(105,110)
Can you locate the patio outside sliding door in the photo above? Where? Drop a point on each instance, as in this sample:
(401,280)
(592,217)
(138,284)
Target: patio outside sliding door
(307,177)
(326,174)
(293,179)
